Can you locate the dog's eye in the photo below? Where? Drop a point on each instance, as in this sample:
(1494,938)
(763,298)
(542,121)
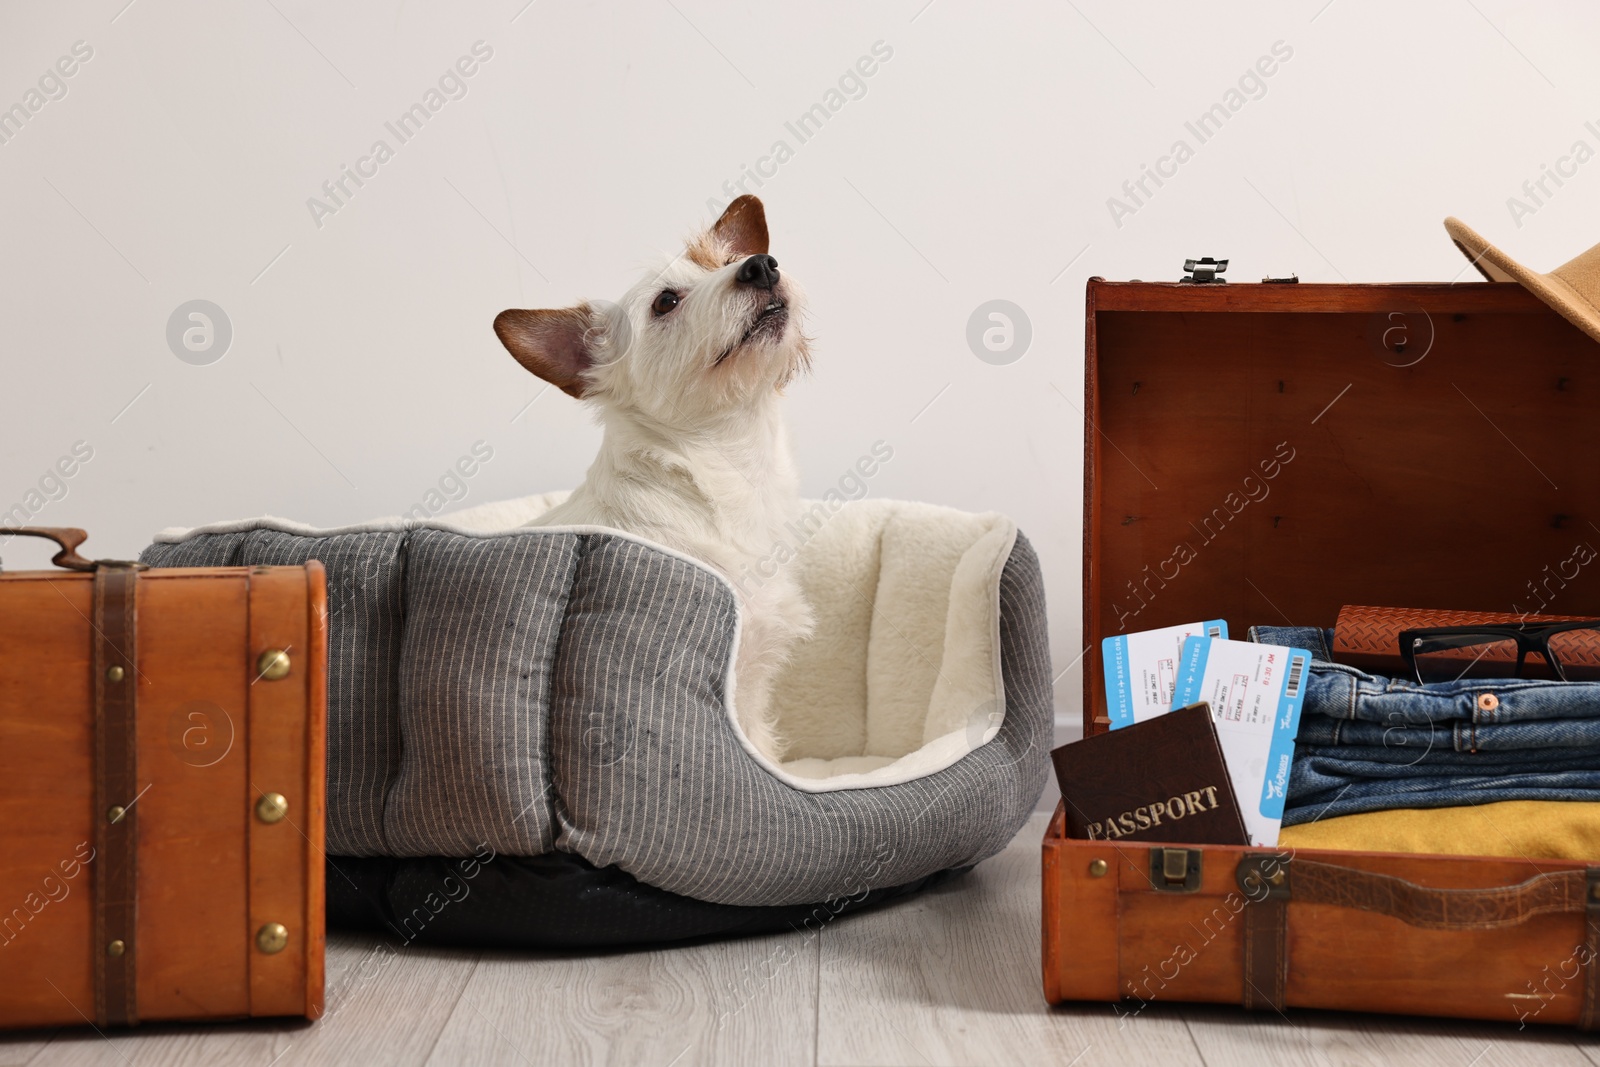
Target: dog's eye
(665,301)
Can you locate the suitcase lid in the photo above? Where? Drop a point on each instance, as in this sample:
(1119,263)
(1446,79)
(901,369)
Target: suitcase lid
(1266,453)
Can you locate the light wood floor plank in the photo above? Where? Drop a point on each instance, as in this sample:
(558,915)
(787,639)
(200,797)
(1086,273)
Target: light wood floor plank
(952,977)
(739,1002)
(1319,1039)
(387,1003)
(21,1052)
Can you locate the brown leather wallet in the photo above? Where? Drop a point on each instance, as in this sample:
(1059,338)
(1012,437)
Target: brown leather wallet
(1368,638)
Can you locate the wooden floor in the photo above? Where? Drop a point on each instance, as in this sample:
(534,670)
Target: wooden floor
(951,977)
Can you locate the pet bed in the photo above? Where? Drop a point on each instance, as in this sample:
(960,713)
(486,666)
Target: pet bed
(553,701)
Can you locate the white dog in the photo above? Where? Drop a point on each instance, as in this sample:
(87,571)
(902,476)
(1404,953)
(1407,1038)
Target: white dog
(686,373)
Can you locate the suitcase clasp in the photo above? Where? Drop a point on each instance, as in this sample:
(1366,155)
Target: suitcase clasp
(1175,870)
(1204,271)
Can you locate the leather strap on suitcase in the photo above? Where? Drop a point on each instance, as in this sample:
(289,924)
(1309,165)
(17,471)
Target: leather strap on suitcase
(1265,882)
(1270,881)
(117,791)
(115,667)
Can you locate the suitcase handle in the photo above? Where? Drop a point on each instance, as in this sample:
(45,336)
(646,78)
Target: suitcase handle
(67,537)
(1267,876)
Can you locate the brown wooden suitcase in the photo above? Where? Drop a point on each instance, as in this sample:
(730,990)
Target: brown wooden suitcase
(1267,453)
(162,779)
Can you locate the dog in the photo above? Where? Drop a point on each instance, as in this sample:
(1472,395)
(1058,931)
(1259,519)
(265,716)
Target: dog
(686,374)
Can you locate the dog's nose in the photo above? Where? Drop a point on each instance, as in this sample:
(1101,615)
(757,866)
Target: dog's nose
(759,271)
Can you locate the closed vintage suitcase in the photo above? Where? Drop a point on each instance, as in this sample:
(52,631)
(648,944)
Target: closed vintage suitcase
(1266,454)
(161,791)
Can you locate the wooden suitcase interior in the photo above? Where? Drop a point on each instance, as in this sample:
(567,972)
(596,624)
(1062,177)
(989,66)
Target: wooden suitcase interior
(1445,445)
(1266,454)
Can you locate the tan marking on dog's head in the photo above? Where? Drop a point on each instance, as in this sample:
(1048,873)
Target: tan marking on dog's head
(707,252)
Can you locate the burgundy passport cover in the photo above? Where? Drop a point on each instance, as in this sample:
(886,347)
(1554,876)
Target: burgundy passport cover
(1163,779)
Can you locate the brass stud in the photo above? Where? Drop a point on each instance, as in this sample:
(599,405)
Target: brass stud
(272,807)
(272,938)
(1276,877)
(116,948)
(273,665)
(115,674)
(115,813)
(1098,868)
(1594,891)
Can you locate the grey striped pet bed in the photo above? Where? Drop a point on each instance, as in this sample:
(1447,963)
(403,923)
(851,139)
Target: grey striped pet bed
(553,698)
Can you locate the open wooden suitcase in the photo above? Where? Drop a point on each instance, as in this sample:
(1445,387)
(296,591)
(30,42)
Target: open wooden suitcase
(162,779)
(1431,446)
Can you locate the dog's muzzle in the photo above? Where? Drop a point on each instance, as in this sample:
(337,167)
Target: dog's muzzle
(768,324)
(770,320)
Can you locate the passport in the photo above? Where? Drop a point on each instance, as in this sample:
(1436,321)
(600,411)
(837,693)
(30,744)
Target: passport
(1163,779)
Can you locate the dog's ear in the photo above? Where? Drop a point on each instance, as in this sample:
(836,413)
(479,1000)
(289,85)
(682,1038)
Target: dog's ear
(554,344)
(743,227)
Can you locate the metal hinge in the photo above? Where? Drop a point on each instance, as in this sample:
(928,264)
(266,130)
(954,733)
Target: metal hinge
(1175,870)
(1204,271)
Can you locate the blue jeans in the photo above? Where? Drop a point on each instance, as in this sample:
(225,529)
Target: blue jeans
(1369,743)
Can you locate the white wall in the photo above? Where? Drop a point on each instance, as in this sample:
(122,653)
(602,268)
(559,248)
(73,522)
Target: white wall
(977,165)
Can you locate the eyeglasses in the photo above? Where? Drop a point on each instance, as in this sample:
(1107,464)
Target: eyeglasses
(1569,651)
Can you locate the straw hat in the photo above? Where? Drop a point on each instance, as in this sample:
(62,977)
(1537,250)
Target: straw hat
(1573,288)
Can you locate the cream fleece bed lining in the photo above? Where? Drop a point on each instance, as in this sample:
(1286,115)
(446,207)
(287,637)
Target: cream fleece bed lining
(903,676)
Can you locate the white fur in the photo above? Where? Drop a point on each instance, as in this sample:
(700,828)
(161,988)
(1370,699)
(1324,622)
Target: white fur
(695,454)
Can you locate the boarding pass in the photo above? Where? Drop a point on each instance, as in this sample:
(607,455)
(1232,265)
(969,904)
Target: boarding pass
(1141,669)
(1255,692)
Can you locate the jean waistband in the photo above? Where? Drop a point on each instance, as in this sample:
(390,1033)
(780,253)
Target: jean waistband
(1338,691)
(1565,734)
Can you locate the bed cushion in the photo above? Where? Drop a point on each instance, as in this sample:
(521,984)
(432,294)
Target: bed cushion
(540,690)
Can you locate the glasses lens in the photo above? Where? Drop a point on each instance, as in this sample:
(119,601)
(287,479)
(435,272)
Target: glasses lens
(1448,658)
(1578,652)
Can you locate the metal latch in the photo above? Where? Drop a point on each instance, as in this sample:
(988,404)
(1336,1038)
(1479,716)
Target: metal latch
(1292,279)
(1175,870)
(1204,271)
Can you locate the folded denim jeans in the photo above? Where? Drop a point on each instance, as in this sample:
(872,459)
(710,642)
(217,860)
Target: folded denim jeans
(1327,788)
(1370,743)
(1342,692)
(1453,736)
